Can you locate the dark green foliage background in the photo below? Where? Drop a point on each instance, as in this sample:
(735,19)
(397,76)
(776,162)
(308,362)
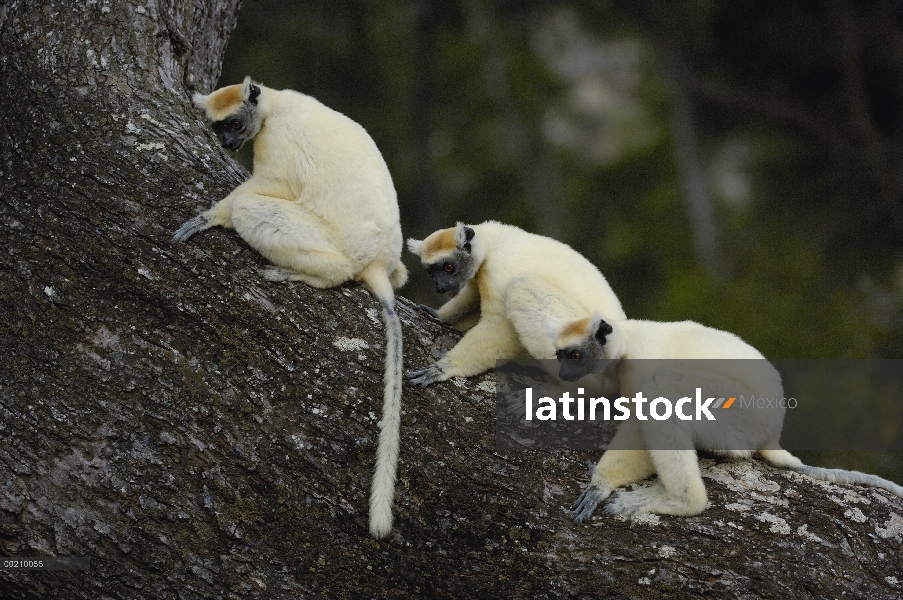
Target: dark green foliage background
(457,96)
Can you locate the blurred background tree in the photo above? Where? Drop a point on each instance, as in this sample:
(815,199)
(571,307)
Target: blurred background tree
(735,163)
(739,164)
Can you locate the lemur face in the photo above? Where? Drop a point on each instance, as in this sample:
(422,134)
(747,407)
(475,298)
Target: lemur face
(580,348)
(233,112)
(451,272)
(447,256)
(237,128)
(575,362)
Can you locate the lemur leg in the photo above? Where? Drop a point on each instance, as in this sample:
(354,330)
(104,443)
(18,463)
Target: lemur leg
(733,454)
(292,239)
(679,490)
(220,214)
(777,456)
(492,339)
(625,461)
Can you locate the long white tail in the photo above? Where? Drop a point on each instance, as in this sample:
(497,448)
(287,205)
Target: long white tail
(854,477)
(383,490)
(782,458)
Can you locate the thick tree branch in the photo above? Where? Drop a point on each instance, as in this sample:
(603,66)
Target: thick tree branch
(201,433)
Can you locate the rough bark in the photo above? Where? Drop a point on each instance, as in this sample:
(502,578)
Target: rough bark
(201,433)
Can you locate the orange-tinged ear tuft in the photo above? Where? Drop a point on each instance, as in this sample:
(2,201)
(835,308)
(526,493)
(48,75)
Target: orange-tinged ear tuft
(575,329)
(225,100)
(440,242)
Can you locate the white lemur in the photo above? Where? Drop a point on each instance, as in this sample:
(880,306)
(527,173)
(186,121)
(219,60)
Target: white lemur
(584,345)
(322,208)
(505,284)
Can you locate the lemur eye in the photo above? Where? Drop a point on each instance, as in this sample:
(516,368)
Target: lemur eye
(449,268)
(576,355)
(236,124)
(428,272)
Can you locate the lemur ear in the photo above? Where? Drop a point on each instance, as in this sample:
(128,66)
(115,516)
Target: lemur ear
(463,236)
(415,246)
(200,100)
(602,331)
(249,91)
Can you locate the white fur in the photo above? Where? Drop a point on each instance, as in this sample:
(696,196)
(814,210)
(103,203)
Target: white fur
(200,100)
(524,280)
(680,490)
(322,208)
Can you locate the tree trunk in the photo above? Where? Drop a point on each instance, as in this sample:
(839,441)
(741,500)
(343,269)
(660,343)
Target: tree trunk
(198,432)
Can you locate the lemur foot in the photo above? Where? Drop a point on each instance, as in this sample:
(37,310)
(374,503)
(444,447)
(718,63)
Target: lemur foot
(643,500)
(583,508)
(189,228)
(427,375)
(274,273)
(430,311)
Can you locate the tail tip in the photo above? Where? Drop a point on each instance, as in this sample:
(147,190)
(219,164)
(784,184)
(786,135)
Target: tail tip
(380,526)
(381,509)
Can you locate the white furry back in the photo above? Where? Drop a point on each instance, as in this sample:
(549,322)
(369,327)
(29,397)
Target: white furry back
(516,253)
(331,165)
(682,340)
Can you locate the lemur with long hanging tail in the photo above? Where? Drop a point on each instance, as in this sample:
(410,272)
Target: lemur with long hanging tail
(322,208)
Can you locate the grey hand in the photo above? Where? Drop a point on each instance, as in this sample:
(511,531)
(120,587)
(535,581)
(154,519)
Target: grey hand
(427,375)
(189,228)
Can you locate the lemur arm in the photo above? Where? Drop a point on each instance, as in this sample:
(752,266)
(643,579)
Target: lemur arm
(491,339)
(219,214)
(464,304)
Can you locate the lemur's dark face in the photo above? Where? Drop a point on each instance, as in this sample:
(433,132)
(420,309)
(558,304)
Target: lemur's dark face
(575,361)
(452,271)
(240,126)
(581,359)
